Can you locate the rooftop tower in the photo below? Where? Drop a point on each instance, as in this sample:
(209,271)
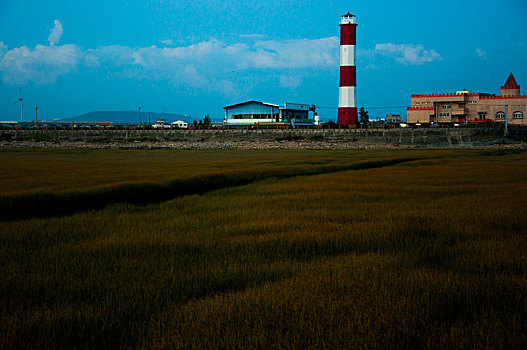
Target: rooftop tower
(511,87)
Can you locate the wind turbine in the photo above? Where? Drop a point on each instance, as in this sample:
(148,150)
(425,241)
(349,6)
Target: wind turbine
(36,119)
(139,116)
(20,99)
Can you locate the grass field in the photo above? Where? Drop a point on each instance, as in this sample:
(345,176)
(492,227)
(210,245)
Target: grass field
(375,249)
(59,171)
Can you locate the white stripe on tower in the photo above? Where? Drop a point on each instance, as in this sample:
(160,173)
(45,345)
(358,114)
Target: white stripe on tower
(347,97)
(347,113)
(347,55)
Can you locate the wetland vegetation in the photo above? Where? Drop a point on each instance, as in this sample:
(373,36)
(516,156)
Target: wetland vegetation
(259,249)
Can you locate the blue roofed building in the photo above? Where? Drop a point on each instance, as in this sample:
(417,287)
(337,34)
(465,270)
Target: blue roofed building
(261,113)
(250,112)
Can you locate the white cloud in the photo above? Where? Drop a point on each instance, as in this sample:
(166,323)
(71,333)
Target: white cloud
(168,42)
(56,33)
(212,65)
(481,54)
(3,50)
(208,65)
(42,64)
(91,60)
(290,81)
(408,54)
(112,55)
(299,53)
(194,77)
(253,36)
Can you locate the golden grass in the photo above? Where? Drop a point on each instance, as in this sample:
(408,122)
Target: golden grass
(430,253)
(41,170)
(22,202)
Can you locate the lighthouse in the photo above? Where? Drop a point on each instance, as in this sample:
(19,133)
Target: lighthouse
(347,114)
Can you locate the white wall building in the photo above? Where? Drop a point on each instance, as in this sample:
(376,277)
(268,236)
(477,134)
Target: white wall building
(179,124)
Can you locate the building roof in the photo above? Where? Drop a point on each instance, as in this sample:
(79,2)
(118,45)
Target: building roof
(251,101)
(511,83)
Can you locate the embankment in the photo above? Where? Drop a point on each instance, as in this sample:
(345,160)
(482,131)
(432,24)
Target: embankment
(262,139)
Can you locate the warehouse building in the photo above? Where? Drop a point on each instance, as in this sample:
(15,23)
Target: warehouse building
(394,118)
(470,107)
(262,113)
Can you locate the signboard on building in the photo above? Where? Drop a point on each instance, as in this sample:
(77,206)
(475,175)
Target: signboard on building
(296,106)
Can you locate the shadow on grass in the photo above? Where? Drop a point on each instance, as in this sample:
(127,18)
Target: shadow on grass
(45,204)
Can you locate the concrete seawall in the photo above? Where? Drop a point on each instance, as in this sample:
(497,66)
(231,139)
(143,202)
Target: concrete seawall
(452,137)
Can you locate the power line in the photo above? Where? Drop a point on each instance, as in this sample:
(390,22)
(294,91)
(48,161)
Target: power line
(387,107)
(364,107)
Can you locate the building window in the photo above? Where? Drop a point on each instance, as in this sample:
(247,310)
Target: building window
(446,106)
(500,115)
(517,115)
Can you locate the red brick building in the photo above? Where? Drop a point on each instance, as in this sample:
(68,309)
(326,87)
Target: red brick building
(470,107)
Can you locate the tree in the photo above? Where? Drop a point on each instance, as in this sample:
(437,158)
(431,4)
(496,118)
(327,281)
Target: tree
(195,122)
(331,124)
(206,120)
(363,117)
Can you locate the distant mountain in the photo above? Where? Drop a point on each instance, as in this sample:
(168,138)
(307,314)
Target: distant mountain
(131,117)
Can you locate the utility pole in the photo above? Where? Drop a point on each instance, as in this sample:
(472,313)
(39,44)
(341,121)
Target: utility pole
(139,116)
(506,120)
(36,118)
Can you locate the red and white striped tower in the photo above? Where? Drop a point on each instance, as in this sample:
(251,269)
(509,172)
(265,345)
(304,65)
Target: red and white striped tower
(347,114)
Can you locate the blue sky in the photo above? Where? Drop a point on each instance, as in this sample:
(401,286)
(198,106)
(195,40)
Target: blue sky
(194,57)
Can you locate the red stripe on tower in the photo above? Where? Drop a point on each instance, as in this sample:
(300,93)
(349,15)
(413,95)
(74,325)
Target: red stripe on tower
(347,113)
(348,36)
(348,76)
